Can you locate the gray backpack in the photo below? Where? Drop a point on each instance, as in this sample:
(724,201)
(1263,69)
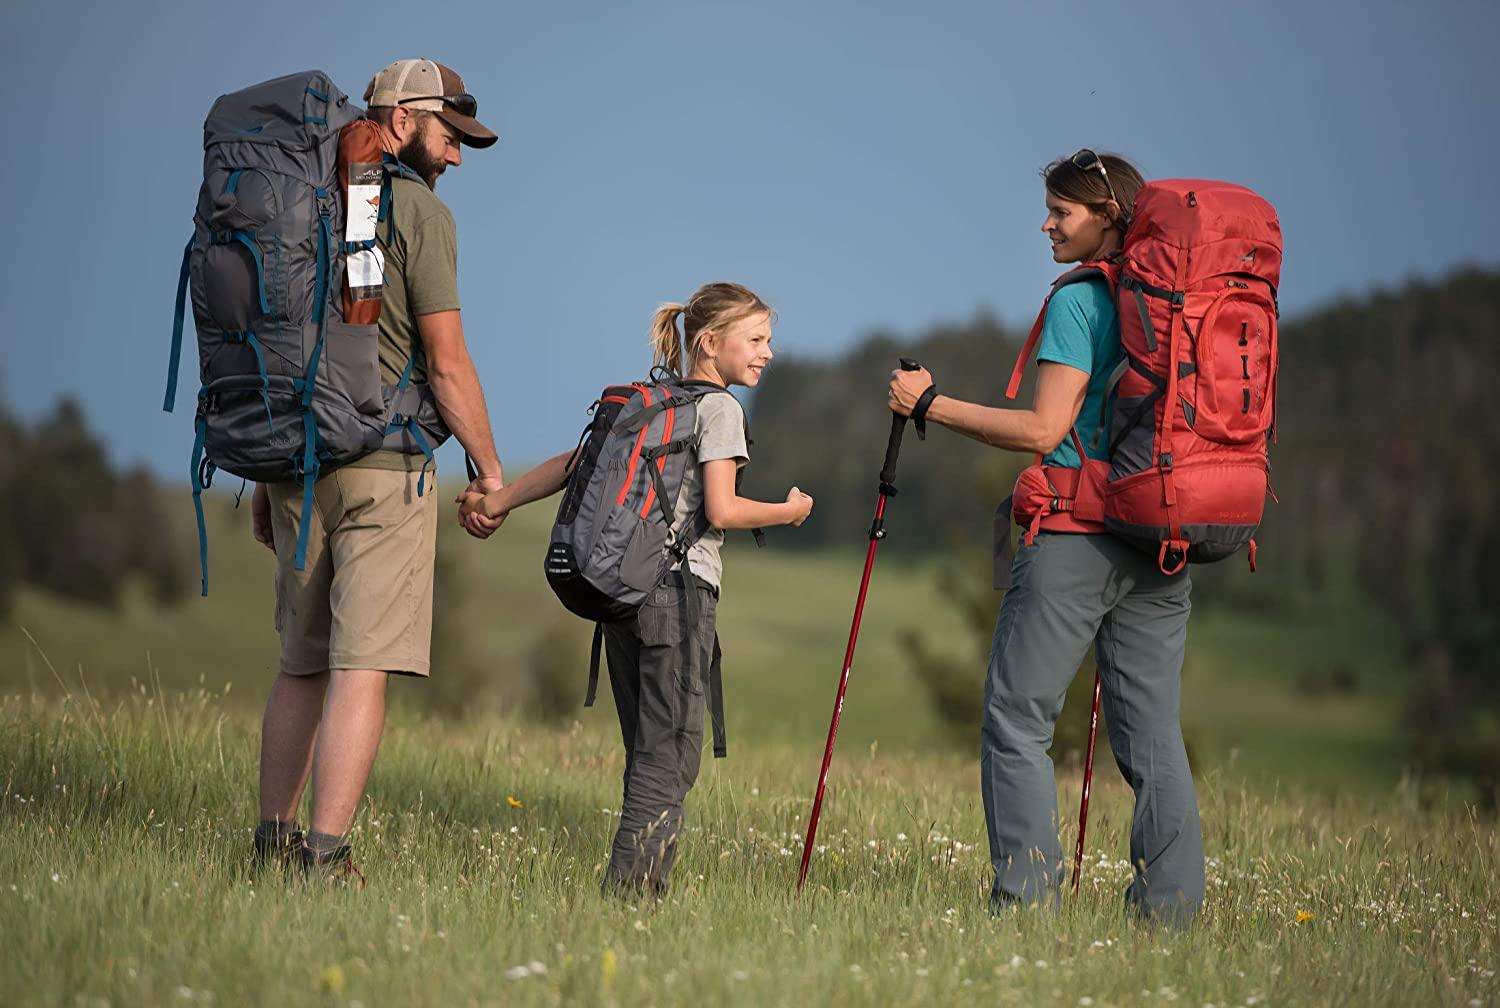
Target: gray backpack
(289,391)
(616,537)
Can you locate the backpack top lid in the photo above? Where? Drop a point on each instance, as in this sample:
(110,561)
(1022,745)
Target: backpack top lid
(297,111)
(1192,213)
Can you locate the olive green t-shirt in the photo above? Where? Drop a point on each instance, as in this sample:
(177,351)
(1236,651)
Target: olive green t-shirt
(421,277)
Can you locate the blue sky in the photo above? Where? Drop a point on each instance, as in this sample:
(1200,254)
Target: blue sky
(862,165)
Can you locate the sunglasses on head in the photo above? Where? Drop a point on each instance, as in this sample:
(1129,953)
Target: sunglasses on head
(463,104)
(1087,160)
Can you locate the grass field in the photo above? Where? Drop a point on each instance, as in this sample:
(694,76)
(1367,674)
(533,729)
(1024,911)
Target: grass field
(124,825)
(128,742)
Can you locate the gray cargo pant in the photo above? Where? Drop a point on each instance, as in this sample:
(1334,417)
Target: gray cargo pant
(1067,590)
(657,670)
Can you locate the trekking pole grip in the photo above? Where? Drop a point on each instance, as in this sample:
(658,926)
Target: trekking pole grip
(893,446)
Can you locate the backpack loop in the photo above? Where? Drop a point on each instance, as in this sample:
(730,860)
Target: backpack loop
(179,315)
(200,431)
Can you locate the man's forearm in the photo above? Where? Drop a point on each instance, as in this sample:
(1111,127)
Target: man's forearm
(460,400)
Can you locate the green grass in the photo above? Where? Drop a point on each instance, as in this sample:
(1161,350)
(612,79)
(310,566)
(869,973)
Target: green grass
(124,827)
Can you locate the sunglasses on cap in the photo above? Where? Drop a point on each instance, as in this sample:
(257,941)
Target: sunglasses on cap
(1087,160)
(463,104)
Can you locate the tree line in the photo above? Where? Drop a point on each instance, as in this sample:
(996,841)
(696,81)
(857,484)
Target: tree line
(75,526)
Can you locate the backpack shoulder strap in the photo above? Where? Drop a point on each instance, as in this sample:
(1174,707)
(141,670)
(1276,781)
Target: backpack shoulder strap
(708,388)
(1106,269)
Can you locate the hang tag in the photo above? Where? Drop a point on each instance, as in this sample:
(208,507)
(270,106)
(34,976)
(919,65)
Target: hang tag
(366,272)
(363,202)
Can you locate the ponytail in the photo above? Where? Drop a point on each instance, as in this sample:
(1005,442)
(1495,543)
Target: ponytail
(666,345)
(712,307)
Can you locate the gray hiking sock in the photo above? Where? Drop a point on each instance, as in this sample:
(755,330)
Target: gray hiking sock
(323,843)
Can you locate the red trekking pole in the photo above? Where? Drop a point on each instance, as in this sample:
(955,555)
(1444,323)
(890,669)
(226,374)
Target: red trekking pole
(1088,777)
(877,533)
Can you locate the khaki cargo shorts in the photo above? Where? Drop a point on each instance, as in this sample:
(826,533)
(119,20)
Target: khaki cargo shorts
(363,599)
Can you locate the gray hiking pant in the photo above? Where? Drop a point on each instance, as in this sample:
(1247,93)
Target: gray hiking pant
(1067,590)
(657,671)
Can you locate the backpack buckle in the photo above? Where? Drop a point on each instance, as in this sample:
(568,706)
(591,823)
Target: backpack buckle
(1165,462)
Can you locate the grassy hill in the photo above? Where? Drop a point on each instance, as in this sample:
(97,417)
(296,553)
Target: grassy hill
(1309,699)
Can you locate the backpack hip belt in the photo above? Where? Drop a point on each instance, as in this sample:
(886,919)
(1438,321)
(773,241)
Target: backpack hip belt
(1060,499)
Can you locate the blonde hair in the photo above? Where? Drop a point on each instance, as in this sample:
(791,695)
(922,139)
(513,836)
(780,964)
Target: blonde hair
(711,308)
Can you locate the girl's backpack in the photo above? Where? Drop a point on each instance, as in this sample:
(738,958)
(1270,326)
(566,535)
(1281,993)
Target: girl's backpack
(1196,404)
(616,536)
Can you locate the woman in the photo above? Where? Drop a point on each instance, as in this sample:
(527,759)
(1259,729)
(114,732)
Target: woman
(1072,583)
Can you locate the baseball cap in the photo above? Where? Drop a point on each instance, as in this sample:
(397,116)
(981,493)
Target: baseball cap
(430,87)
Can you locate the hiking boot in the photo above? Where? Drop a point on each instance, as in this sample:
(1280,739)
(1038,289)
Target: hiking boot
(333,864)
(277,845)
(633,890)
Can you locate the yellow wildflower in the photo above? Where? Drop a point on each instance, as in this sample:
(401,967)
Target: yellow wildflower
(513,801)
(332,979)
(1303,916)
(608,964)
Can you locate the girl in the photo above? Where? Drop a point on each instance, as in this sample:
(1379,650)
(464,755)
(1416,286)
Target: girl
(656,661)
(1071,587)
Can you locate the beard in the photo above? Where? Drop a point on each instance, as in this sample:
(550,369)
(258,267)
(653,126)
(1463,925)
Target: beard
(414,155)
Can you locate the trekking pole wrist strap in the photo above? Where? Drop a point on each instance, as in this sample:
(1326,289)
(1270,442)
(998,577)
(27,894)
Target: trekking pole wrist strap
(920,408)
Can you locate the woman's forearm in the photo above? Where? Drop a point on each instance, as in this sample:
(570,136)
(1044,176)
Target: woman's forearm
(1021,430)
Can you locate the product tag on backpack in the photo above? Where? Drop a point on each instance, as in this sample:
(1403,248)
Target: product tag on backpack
(365,268)
(363,202)
(366,272)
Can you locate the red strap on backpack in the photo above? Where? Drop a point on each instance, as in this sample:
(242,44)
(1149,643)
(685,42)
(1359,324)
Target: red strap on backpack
(1107,268)
(1056,498)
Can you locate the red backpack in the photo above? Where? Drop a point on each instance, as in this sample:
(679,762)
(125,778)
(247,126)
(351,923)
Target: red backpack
(1196,407)
(1195,285)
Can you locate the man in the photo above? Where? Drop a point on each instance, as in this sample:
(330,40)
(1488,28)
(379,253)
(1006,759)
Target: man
(361,609)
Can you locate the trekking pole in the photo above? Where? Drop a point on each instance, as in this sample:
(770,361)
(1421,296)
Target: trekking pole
(1088,777)
(877,533)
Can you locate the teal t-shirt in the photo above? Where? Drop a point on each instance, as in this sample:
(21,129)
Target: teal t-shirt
(1082,331)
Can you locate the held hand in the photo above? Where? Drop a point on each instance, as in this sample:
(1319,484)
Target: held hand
(478,526)
(802,506)
(472,520)
(906,388)
(260,518)
(484,484)
(469,503)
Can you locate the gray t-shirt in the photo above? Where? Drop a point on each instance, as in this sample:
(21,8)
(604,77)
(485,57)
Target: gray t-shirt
(721,435)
